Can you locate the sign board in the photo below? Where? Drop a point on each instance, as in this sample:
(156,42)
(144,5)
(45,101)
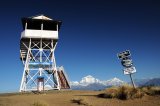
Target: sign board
(127,62)
(124,54)
(129,70)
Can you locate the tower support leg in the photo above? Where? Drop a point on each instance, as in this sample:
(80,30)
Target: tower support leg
(40,62)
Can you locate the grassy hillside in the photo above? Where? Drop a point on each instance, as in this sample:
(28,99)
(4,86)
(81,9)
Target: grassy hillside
(149,97)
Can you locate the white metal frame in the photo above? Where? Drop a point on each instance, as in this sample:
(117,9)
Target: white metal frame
(39,55)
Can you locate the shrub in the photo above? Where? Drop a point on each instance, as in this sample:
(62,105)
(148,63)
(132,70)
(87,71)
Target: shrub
(151,90)
(156,90)
(80,101)
(109,93)
(123,93)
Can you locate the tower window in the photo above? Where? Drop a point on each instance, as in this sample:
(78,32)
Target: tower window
(35,25)
(49,26)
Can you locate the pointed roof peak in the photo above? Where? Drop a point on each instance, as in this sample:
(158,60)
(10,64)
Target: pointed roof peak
(41,16)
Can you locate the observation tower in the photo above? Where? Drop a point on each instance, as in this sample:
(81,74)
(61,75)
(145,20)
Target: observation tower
(37,45)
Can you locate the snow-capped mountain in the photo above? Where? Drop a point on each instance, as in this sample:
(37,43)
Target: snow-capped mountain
(113,82)
(91,83)
(88,80)
(74,83)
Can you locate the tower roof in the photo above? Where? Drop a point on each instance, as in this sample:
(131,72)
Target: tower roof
(41,19)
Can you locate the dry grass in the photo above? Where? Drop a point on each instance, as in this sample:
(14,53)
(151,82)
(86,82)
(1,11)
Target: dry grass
(128,92)
(39,103)
(151,90)
(81,101)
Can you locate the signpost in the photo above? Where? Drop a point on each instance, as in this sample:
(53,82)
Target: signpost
(129,70)
(127,63)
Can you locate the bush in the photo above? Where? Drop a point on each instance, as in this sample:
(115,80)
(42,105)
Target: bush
(109,93)
(80,101)
(123,93)
(151,90)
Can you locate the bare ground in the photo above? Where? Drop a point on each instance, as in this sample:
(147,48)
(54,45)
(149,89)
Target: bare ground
(65,98)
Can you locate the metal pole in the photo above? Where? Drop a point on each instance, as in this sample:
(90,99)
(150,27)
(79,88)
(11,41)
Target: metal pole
(43,84)
(37,85)
(132,81)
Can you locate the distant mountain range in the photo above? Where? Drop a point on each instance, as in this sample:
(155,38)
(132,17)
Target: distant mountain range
(148,82)
(91,83)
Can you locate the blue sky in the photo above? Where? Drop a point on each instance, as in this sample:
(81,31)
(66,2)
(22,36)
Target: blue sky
(91,35)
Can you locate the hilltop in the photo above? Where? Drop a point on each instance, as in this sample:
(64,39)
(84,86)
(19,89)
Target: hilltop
(77,98)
